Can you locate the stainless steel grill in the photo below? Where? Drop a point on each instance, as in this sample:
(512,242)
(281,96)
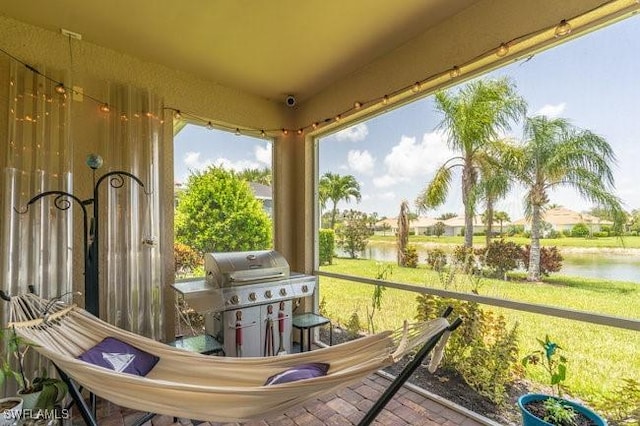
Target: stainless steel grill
(248,300)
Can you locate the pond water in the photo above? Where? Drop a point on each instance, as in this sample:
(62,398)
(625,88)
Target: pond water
(607,265)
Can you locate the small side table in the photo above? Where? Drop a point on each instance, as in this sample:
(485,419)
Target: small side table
(308,321)
(202,343)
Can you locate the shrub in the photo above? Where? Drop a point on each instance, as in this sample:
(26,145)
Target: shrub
(566,232)
(327,243)
(411,257)
(580,231)
(464,258)
(515,230)
(623,405)
(437,259)
(482,350)
(353,234)
(501,257)
(186,259)
(600,234)
(550,259)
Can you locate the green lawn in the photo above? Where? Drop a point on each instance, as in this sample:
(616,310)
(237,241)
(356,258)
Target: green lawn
(599,356)
(604,242)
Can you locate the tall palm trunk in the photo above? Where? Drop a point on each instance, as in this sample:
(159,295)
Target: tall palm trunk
(468,181)
(333,214)
(403,232)
(489,220)
(533,274)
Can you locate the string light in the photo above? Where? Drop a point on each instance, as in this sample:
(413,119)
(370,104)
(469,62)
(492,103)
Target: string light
(124,117)
(563,28)
(502,50)
(560,30)
(237,132)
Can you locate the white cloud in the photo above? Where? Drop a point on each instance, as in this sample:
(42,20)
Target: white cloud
(551,111)
(389,195)
(194,162)
(361,161)
(355,133)
(264,155)
(409,160)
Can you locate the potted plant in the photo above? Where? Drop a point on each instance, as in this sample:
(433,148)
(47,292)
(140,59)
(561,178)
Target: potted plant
(38,393)
(540,409)
(10,407)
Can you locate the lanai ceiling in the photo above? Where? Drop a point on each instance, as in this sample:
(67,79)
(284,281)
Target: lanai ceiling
(266,48)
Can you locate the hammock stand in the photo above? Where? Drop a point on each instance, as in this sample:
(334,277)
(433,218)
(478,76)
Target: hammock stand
(233,388)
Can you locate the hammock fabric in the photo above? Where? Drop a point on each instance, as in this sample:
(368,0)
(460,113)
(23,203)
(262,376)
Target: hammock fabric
(209,388)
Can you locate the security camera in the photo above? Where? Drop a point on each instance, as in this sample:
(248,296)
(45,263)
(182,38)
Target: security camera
(290,101)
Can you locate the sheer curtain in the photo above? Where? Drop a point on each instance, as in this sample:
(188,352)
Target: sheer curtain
(36,245)
(44,245)
(130,264)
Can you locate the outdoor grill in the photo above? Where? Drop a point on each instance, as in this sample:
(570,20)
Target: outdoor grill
(248,300)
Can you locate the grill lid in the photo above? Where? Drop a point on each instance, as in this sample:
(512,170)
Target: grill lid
(244,267)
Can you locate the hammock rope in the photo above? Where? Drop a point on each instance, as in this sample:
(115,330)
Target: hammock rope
(208,388)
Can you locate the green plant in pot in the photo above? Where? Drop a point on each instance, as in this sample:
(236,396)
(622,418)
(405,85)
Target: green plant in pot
(543,410)
(39,392)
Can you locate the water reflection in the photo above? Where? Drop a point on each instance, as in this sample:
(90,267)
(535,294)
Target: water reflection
(607,265)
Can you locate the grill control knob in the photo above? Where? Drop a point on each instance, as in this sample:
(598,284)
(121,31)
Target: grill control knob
(252,297)
(234,300)
(267,294)
(305,288)
(283,292)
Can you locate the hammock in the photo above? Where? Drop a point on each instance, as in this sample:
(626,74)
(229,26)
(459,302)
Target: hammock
(208,388)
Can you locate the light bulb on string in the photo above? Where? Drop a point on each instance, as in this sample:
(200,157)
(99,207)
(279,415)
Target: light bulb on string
(262,134)
(563,28)
(314,125)
(416,87)
(357,105)
(237,132)
(177,115)
(209,126)
(61,89)
(105,108)
(338,117)
(300,131)
(455,72)
(285,132)
(385,99)
(502,50)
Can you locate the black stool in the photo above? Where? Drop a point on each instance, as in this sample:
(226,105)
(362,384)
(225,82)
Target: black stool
(308,321)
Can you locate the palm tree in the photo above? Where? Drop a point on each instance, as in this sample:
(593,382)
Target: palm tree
(257,175)
(336,188)
(495,183)
(473,118)
(501,217)
(557,154)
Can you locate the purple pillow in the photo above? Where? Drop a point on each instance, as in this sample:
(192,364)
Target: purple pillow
(119,356)
(299,372)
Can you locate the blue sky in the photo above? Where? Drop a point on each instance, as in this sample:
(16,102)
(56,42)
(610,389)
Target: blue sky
(593,81)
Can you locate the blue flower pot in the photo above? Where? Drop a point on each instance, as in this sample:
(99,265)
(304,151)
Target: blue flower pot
(529,419)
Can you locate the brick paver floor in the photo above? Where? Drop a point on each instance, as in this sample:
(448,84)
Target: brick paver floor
(347,407)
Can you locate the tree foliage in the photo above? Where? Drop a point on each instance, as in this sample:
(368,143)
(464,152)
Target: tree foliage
(263,176)
(218,212)
(334,187)
(354,232)
(556,154)
(474,117)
